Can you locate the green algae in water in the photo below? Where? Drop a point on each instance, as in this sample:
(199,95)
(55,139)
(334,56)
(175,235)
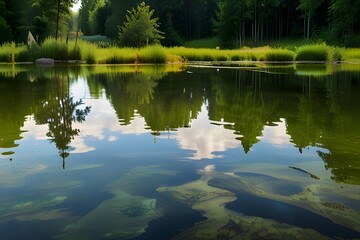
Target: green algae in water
(39,203)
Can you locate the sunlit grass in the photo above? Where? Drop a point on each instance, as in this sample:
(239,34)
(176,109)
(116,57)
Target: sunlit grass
(9,52)
(352,54)
(278,55)
(314,52)
(152,54)
(91,53)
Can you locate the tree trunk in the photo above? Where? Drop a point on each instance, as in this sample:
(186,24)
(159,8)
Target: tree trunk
(57,19)
(308,26)
(304,26)
(243,32)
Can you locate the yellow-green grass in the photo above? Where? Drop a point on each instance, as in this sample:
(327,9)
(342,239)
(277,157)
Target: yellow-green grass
(314,52)
(278,55)
(9,52)
(92,53)
(352,54)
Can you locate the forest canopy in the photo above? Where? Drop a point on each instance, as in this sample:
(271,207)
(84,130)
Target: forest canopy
(234,22)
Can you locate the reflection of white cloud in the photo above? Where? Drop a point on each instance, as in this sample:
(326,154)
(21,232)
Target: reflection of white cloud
(137,126)
(101,118)
(31,130)
(205,138)
(276,135)
(209,168)
(80,146)
(112,139)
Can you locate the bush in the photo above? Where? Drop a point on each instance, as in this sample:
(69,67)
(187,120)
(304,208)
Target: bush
(279,55)
(316,52)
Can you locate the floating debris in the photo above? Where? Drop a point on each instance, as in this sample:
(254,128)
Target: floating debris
(302,170)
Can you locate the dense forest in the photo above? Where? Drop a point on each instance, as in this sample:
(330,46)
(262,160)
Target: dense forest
(234,22)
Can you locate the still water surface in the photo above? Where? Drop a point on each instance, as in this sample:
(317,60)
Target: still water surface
(174,152)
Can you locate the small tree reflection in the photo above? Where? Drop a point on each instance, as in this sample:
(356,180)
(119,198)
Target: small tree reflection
(59,112)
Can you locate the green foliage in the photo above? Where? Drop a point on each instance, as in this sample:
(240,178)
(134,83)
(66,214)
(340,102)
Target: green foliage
(52,17)
(140,28)
(5,30)
(202,43)
(315,52)
(278,55)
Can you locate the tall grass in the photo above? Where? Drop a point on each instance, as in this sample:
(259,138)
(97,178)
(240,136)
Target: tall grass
(152,54)
(5,52)
(92,53)
(314,52)
(115,55)
(352,54)
(278,55)
(56,49)
(9,52)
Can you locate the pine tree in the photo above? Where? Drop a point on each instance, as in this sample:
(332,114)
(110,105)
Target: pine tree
(140,28)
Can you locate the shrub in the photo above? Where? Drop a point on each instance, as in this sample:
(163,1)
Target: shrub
(316,52)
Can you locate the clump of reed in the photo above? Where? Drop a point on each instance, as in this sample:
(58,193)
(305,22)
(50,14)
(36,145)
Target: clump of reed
(352,54)
(279,55)
(115,55)
(151,54)
(56,49)
(10,53)
(314,52)
(199,54)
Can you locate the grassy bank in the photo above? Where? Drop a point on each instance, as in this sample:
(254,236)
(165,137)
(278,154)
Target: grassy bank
(91,53)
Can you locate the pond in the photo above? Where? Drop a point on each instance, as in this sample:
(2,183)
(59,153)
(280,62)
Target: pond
(180,152)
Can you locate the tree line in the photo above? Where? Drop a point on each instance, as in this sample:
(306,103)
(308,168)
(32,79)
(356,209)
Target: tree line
(234,22)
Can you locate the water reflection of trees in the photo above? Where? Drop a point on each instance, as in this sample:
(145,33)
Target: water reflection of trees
(312,105)
(165,104)
(60,111)
(319,111)
(17,99)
